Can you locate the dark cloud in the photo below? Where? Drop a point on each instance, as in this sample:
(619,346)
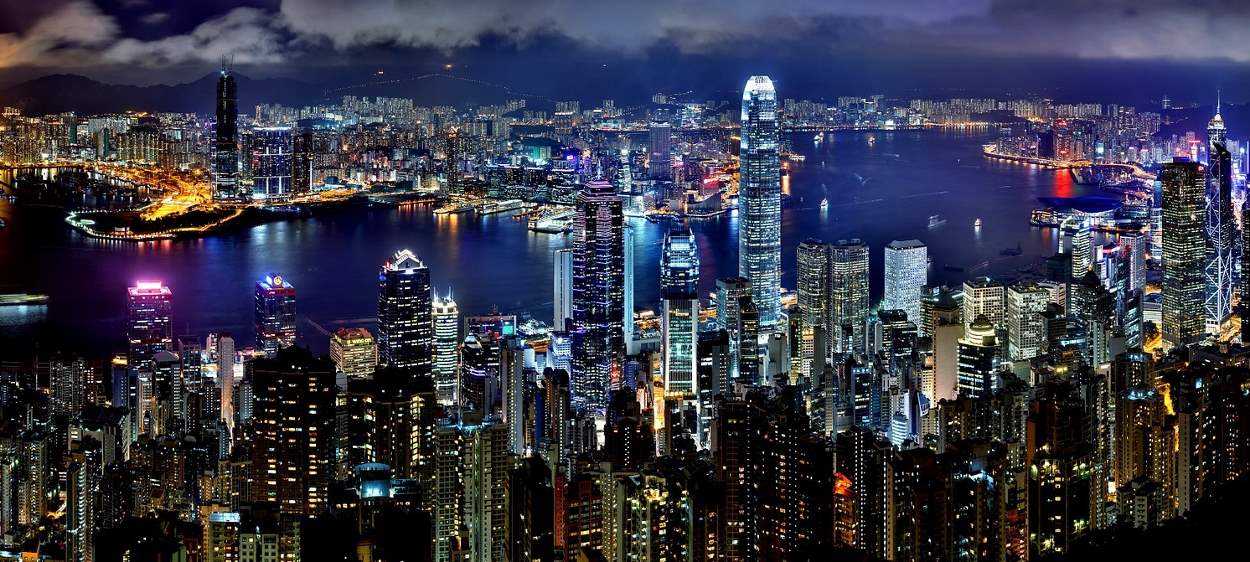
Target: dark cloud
(164,33)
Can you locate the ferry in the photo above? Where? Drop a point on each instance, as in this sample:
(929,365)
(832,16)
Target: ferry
(452,209)
(824,204)
(1044,217)
(936,221)
(23,299)
(977,223)
(496,207)
(795,157)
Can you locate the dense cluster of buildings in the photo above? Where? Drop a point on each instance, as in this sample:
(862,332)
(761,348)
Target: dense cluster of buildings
(994,420)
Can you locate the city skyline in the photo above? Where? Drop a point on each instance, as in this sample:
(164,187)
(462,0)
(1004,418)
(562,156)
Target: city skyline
(830,300)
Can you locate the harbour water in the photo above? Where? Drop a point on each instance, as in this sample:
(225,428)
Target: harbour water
(880,186)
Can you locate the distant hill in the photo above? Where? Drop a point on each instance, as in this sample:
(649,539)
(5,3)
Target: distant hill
(70,92)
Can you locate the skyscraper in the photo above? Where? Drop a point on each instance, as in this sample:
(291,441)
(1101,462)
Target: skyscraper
(660,148)
(849,294)
(405,328)
(1221,230)
(1184,189)
(226,145)
(813,268)
(1026,327)
(275,314)
(976,359)
(446,317)
(353,351)
(906,273)
(293,448)
(598,294)
(271,162)
(149,328)
(984,297)
(562,285)
(679,324)
(759,199)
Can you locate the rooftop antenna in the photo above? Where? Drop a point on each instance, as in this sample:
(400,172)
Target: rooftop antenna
(1217,101)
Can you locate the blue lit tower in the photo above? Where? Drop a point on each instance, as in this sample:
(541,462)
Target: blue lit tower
(271,162)
(906,274)
(598,295)
(1220,226)
(226,143)
(405,324)
(759,199)
(275,314)
(679,328)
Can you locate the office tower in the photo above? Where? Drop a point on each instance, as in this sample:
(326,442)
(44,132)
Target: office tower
(660,166)
(1184,246)
(405,328)
(271,162)
(293,439)
(391,415)
(750,369)
(679,324)
(562,299)
(1135,246)
(984,297)
(1221,229)
(628,309)
(976,359)
(226,144)
(948,329)
(470,484)
(225,376)
(1082,260)
(598,294)
(814,285)
(446,318)
(353,352)
(1026,327)
(849,304)
(759,199)
(149,329)
(906,274)
(303,155)
(275,314)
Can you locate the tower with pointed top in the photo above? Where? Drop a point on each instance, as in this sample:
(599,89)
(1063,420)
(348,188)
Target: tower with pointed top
(226,142)
(1220,225)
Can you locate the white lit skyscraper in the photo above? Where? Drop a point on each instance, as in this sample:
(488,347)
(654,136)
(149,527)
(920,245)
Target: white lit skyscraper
(271,162)
(562,285)
(446,317)
(679,328)
(906,273)
(848,299)
(759,199)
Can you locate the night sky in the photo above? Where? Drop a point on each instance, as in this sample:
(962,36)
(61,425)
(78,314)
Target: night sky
(1109,50)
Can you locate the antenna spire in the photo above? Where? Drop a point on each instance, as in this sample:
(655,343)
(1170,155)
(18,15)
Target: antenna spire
(1217,101)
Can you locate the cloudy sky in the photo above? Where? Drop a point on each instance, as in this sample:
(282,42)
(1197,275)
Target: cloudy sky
(145,41)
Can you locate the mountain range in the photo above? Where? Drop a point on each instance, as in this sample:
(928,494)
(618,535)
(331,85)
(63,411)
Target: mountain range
(59,93)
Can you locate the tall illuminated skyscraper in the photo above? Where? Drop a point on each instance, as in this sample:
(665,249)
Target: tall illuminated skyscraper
(354,353)
(598,294)
(814,272)
(849,296)
(679,328)
(1184,190)
(446,317)
(405,328)
(759,199)
(226,144)
(275,314)
(1221,230)
(976,359)
(1026,327)
(149,328)
(562,286)
(906,273)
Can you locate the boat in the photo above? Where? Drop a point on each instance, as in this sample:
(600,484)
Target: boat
(824,204)
(1044,217)
(2,223)
(23,299)
(451,209)
(817,138)
(977,223)
(936,221)
(795,157)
